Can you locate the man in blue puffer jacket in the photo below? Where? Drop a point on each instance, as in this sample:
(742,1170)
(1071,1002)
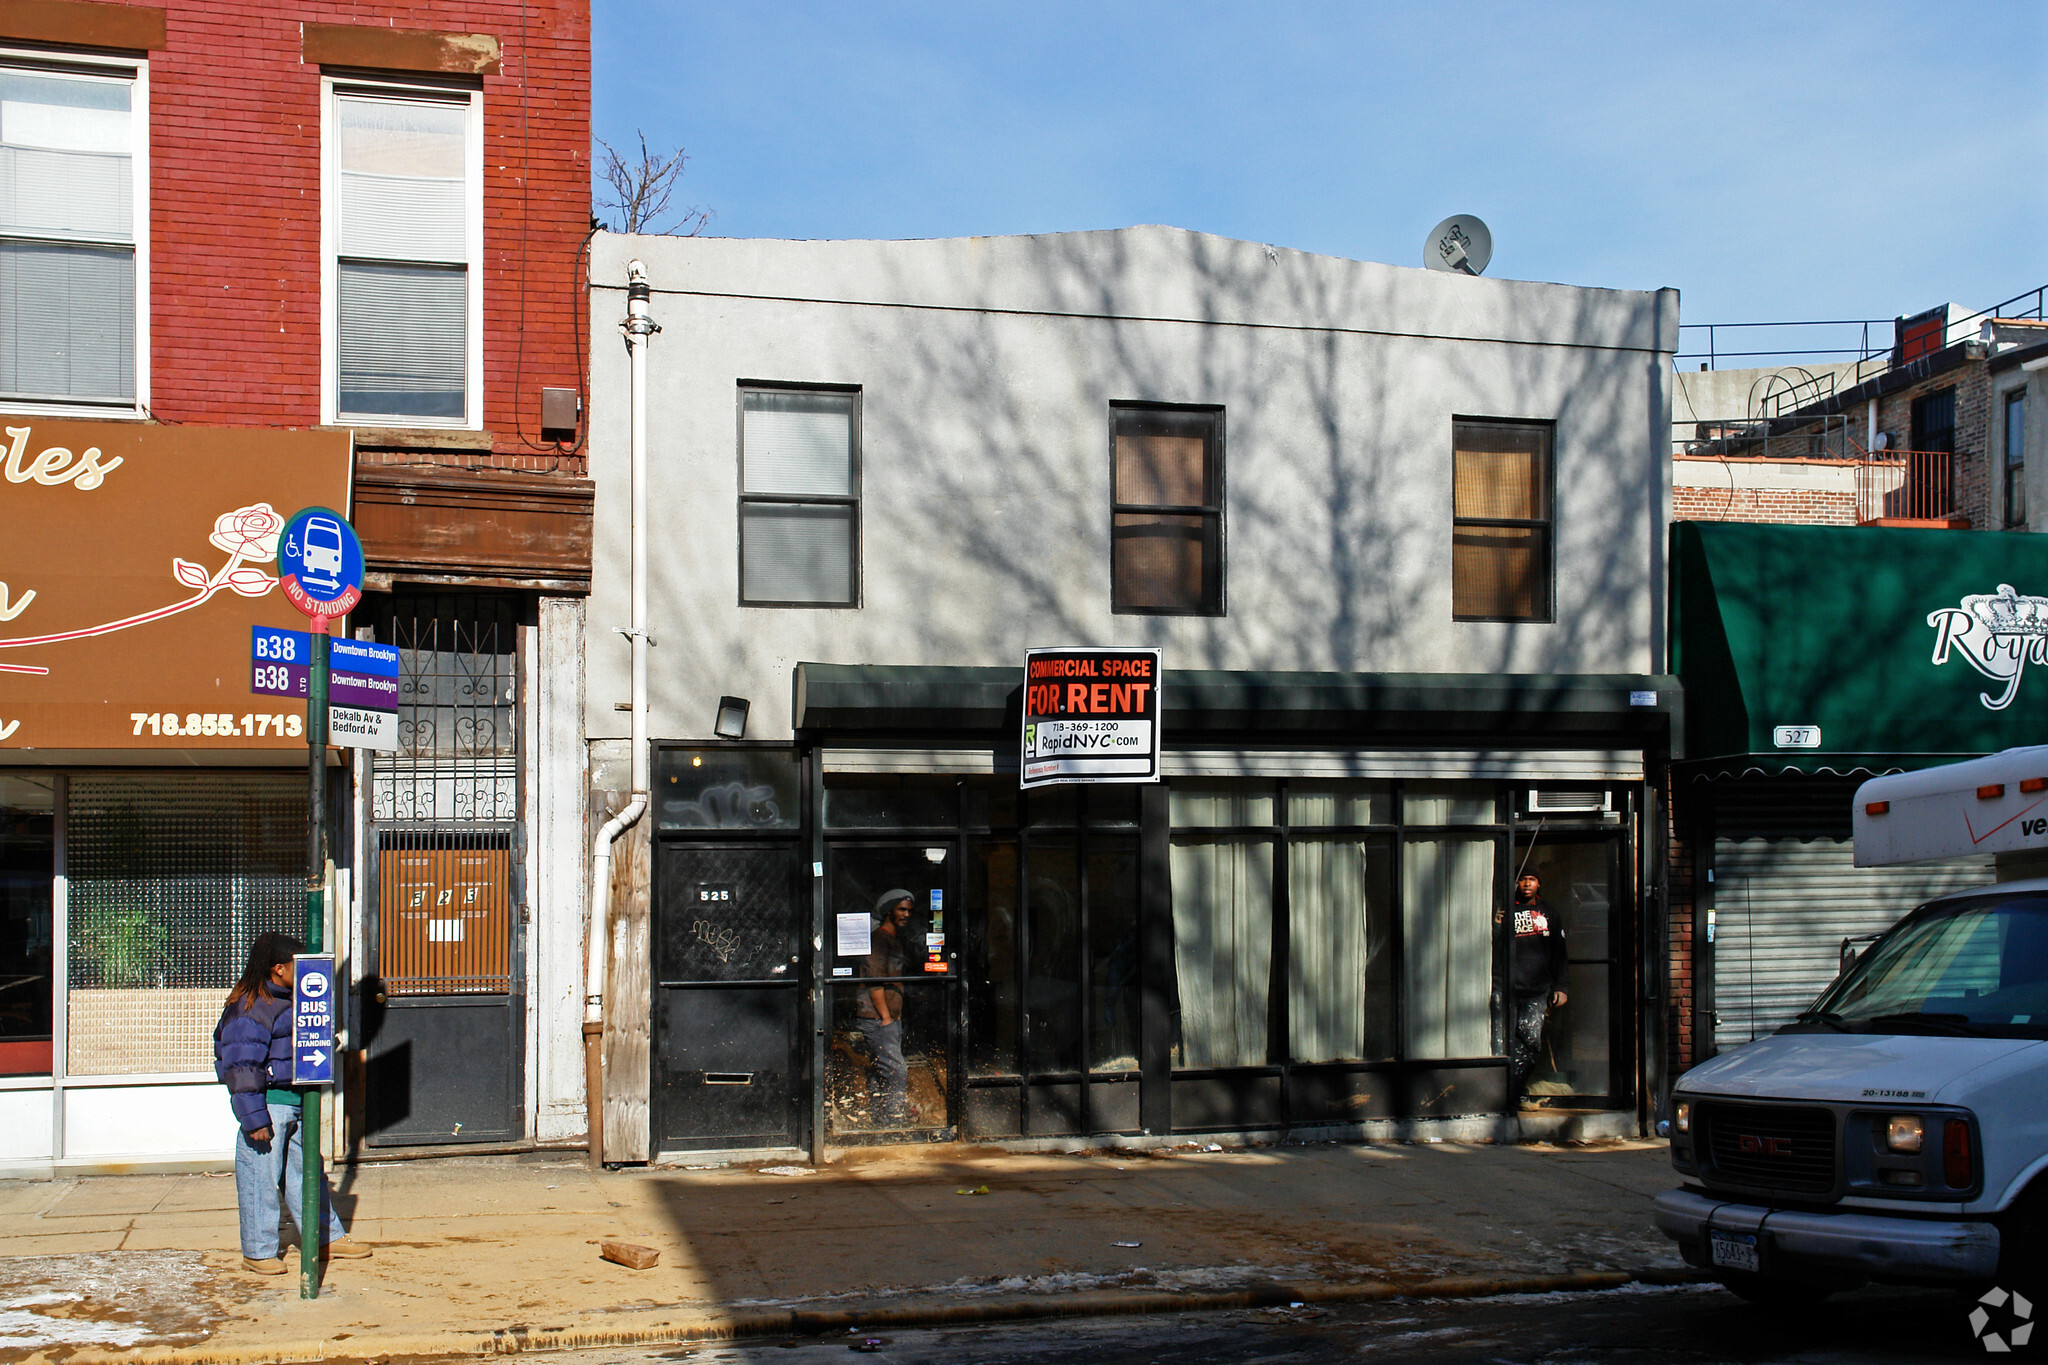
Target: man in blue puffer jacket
(252,1057)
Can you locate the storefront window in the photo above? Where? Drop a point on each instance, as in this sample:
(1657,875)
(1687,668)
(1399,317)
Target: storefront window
(714,787)
(1220,804)
(1113,952)
(1222,939)
(1449,803)
(992,1002)
(1447,893)
(891,802)
(27,864)
(1052,985)
(170,878)
(1339,803)
(1340,993)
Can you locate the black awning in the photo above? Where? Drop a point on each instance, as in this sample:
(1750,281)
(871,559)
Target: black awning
(929,699)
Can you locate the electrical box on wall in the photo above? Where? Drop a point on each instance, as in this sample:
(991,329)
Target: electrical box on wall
(561,410)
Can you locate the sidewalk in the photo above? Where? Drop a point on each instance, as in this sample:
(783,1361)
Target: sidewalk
(482,1246)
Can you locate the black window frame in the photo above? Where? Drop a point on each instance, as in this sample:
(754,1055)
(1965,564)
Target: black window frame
(855,582)
(1215,597)
(1546,524)
(2015,469)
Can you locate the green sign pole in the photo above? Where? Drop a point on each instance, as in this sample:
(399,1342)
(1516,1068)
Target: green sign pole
(312,1221)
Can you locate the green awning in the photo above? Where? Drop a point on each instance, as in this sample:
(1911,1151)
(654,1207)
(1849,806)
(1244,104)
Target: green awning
(1837,648)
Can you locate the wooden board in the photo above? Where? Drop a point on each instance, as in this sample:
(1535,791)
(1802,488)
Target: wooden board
(628,999)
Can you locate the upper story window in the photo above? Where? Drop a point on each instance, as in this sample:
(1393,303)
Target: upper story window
(404,226)
(799,497)
(1166,510)
(1501,568)
(2016,458)
(74,191)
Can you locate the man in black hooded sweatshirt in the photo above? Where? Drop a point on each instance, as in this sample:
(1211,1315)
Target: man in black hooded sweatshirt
(1537,972)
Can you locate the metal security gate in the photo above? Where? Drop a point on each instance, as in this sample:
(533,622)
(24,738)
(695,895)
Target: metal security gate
(1787,891)
(443,1010)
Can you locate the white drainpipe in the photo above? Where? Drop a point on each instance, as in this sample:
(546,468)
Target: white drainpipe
(639,330)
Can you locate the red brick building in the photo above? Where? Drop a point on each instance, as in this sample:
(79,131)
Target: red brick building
(363,221)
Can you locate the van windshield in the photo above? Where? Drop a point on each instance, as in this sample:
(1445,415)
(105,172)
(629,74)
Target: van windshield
(1976,967)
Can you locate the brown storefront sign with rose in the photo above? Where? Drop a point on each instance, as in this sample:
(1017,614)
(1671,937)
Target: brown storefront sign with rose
(134,559)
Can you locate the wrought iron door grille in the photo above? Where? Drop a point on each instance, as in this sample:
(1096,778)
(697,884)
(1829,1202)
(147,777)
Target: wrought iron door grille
(458,735)
(445,806)
(444,912)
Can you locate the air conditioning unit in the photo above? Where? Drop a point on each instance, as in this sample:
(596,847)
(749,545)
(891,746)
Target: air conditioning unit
(1548,801)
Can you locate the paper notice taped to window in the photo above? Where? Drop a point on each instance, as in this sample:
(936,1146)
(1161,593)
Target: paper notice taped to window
(855,937)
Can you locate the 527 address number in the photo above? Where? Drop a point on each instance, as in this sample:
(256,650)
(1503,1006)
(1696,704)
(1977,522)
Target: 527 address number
(216,723)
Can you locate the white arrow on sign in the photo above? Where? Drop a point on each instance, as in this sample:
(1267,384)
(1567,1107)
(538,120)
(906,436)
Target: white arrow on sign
(313,1058)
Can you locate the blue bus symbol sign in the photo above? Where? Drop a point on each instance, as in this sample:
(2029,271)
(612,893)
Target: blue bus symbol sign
(313,1011)
(320,564)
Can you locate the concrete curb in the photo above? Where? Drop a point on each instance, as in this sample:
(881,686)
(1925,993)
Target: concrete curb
(822,1322)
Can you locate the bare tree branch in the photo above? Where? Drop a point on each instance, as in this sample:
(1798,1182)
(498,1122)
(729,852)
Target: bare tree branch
(640,192)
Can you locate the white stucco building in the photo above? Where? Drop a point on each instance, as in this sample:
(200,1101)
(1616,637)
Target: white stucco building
(1399,536)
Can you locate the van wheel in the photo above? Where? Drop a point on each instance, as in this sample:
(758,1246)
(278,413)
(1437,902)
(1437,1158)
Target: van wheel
(1770,1293)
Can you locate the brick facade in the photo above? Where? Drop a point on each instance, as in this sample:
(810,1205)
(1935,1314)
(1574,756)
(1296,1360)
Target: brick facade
(234,216)
(1789,506)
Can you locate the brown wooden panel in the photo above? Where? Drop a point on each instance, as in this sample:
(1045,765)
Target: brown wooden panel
(444,920)
(628,999)
(83,23)
(399,49)
(445,521)
(134,558)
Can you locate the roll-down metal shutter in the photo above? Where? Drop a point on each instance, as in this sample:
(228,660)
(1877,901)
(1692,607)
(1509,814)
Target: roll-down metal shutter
(1787,892)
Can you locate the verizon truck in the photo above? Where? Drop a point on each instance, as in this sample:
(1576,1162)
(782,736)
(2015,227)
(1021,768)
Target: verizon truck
(1898,1129)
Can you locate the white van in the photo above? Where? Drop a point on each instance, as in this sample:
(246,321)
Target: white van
(1898,1129)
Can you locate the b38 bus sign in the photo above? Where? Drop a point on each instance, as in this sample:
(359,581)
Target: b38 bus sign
(1090,715)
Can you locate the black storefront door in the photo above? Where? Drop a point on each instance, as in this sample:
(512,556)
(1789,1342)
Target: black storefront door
(900,1078)
(1586,1049)
(728,959)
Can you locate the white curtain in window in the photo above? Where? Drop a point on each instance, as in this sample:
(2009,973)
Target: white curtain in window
(1446,920)
(67,321)
(797,444)
(1223,948)
(795,553)
(1327,911)
(403,334)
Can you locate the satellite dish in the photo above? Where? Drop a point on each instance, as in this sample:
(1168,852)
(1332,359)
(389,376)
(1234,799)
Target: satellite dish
(1460,244)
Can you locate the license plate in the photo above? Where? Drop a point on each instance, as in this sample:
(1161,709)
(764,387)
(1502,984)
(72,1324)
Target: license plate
(1734,1250)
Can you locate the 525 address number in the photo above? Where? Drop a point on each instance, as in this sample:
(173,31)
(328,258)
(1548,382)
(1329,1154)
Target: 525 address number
(217,723)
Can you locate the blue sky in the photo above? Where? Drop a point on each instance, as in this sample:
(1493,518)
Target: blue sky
(1787,160)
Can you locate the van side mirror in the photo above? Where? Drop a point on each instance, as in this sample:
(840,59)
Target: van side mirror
(1848,954)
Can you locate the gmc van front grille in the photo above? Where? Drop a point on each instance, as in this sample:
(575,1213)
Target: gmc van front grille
(1783,1149)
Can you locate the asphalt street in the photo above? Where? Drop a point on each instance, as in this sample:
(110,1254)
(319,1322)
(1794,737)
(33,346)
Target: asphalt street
(1688,1325)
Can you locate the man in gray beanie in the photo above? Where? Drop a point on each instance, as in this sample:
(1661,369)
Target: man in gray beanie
(881,1012)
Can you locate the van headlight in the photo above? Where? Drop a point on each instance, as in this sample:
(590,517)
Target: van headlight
(1904,1133)
(1681,1116)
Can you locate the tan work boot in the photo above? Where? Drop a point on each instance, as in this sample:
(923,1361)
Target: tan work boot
(273,1266)
(347,1250)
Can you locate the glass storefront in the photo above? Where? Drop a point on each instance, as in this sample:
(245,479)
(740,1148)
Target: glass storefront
(1209,954)
(28,850)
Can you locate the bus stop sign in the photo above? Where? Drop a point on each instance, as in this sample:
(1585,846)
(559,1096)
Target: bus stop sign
(320,564)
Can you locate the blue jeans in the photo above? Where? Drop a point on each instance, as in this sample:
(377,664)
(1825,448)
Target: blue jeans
(888,1074)
(259,1170)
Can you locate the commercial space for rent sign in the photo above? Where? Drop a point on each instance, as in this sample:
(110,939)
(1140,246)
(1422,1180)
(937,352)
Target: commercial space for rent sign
(1090,715)
(134,560)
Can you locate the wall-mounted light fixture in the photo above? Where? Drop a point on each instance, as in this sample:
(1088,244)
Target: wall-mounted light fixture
(732,718)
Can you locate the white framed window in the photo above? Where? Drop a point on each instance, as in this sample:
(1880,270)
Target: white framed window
(401,229)
(74,234)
